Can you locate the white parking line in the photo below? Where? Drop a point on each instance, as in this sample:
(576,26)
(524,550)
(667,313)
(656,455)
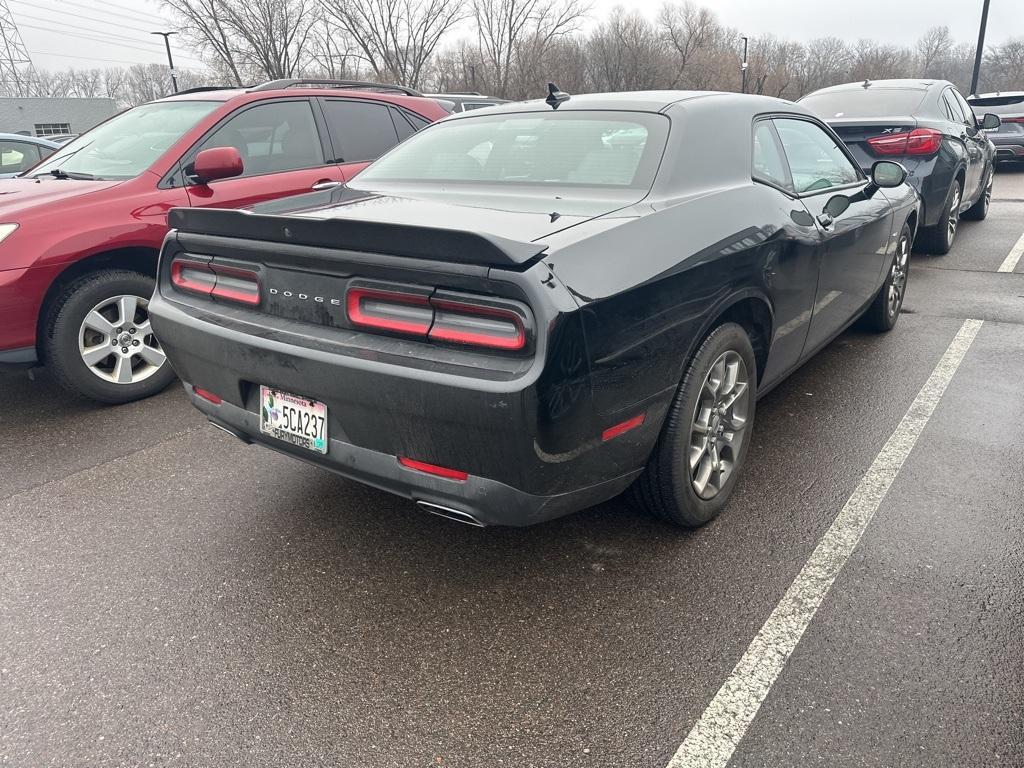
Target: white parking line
(713,739)
(1010,262)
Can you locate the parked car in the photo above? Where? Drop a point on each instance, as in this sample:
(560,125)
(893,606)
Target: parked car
(1008,137)
(927,126)
(18,153)
(464,102)
(508,318)
(80,234)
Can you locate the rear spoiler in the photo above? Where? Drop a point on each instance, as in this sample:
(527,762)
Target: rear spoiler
(433,243)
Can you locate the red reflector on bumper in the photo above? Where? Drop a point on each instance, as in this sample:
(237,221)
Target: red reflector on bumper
(207,395)
(433,469)
(625,426)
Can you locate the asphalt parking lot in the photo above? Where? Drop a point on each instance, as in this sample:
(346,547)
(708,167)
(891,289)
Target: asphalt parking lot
(170,596)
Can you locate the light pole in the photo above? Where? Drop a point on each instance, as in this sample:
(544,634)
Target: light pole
(981,49)
(170,61)
(743,66)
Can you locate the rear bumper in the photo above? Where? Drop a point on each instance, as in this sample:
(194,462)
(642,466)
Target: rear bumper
(485,501)
(531,445)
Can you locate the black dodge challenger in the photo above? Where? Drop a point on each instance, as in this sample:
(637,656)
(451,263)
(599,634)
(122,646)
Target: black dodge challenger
(525,310)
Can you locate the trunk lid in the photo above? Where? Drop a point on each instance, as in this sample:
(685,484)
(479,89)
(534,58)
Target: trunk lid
(855,133)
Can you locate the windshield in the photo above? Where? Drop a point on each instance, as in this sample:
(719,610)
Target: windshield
(864,102)
(586,149)
(126,145)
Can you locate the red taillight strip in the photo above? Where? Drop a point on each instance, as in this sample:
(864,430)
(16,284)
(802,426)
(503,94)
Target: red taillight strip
(357,315)
(433,469)
(179,267)
(622,427)
(477,338)
(207,395)
(236,292)
(920,141)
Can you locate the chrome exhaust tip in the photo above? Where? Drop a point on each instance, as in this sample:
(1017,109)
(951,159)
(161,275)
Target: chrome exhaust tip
(231,432)
(452,514)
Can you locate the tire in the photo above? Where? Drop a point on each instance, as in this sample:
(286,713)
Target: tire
(90,314)
(938,240)
(668,487)
(884,311)
(979,211)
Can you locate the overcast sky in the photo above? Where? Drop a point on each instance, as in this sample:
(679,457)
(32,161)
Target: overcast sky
(62,33)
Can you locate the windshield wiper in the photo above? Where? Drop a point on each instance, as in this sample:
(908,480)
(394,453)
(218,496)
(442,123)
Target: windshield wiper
(59,173)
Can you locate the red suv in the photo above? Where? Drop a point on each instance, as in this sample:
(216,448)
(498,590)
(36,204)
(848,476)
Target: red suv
(80,232)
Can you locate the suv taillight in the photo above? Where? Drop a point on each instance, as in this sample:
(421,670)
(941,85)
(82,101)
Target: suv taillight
(219,281)
(920,141)
(456,319)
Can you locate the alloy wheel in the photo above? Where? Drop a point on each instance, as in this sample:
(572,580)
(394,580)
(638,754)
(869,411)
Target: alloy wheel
(988,190)
(719,425)
(117,343)
(898,278)
(954,213)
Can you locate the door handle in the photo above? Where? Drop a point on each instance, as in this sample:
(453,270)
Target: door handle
(825,220)
(320,186)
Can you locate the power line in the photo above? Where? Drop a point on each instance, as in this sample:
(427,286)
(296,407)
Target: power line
(154,19)
(95,39)
(115,61)
(90,18)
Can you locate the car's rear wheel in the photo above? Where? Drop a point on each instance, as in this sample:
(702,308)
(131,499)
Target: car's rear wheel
(939,239)
(884,311)
(703,444)
(98,340)
(979,211)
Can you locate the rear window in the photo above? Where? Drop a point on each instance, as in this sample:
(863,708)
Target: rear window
(588,149)
(864,102)
(1012,104)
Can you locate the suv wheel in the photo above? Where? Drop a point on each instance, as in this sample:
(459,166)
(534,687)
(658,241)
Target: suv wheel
(979,210)
(703,444)
(939,239)
(98,340)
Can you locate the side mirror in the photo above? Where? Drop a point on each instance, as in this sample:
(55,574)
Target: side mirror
(990,122)
(216,163)
(837,205)
(887,174)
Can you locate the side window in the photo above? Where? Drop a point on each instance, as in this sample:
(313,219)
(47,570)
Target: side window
(402,124)
(359,130)
(972,119)
(768,163)
(17,156)
(956,114)
(271,138)
(816,162)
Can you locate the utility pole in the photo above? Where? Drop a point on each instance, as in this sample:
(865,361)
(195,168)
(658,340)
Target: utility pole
(743,66)
(981,49)
(170,61)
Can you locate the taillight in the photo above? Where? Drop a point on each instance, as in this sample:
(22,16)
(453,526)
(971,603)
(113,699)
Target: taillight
(390,310)
(477,325)
(220,281)
(920,141)
(454,319)
(433,469)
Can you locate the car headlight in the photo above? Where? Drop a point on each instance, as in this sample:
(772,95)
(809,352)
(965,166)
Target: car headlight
(6,230)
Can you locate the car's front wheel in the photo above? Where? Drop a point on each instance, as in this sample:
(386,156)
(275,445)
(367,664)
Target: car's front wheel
(884,311)
(703,444)
(939,238)
(98,340)
(979,211)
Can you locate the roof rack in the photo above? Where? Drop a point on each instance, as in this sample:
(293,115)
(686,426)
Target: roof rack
(205,88)
(361,85)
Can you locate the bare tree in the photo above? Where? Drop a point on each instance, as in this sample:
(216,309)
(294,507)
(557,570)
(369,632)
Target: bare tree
(933,49)
(625,54)
(204,23)
(397,38)
(273,33)
(687,28)
(515,34)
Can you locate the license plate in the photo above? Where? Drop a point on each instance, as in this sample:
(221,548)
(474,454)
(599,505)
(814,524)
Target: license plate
(296,420)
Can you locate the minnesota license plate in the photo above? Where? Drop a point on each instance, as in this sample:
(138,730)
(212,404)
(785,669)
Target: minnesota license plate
(296,420)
